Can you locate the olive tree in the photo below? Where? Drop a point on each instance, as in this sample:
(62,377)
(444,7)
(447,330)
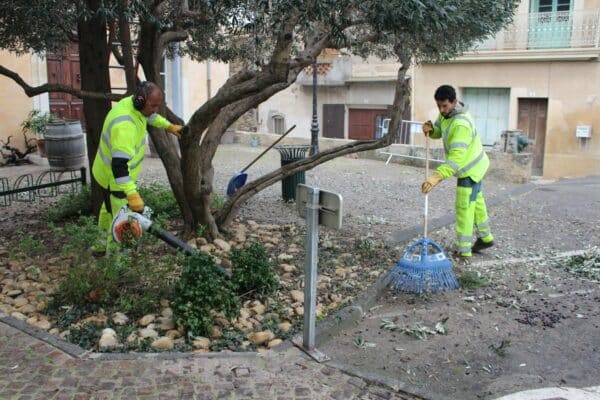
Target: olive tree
(275,40)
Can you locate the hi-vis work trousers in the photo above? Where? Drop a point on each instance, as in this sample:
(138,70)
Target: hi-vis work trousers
(470,209)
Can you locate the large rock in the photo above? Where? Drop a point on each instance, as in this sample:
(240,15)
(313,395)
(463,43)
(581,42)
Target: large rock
(108,339)
(285,326)
(148,333)
(167,312)
(221,244)
(19,316)
(297,296)
(166,324)
(285,257)
(147,319)
(27,309)
(201,343)
(20,302)
(259,338)
(258,308)
(119,318)
(14,292)
(163,343)
(274,343)
(287,267)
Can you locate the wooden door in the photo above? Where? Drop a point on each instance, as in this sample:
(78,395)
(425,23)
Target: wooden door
(362,123)
(532,121)
(333,120)
(63,68)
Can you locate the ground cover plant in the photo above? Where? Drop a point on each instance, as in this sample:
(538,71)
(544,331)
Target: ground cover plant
(147,297)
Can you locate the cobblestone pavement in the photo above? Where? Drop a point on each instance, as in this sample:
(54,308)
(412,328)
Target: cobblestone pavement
(32,369)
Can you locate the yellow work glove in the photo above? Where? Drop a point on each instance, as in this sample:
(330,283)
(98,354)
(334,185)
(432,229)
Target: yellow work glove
(175,130)
(135,202)
(427,128)
(431,182)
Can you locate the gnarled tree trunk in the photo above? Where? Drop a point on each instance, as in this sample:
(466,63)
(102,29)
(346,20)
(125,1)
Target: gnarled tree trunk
(93,59)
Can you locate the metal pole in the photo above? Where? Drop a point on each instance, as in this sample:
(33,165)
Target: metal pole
(83,176)
(314,126)
(310,267)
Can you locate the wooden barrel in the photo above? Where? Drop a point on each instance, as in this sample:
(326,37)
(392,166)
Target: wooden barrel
(65,145)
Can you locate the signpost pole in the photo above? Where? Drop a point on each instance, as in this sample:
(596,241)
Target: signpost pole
(310,267)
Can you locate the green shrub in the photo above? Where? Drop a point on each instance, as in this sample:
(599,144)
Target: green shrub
(254,271)
(160,199)
(218,201)
(79,236)
(201,291)
(86,335)
(30,246)
(133,282)
(71,205)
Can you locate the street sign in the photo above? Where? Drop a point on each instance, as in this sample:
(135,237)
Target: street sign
(330,206)
(317,207)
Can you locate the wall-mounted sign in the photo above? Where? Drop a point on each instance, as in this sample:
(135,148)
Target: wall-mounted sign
(583,131)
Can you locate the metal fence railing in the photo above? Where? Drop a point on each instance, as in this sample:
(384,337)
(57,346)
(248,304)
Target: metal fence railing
(48,184)
(407,131)
(548,30)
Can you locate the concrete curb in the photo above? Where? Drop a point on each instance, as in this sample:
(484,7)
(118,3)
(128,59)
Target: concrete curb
(394,384)
(71,349)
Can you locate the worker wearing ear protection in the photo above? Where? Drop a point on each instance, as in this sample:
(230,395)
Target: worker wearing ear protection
(120,153)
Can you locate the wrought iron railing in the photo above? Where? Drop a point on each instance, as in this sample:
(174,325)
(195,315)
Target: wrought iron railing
(548,30)
(48,184)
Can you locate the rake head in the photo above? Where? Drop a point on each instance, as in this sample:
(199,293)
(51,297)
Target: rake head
(422,272)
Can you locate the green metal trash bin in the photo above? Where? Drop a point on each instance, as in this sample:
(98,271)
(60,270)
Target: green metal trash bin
(289,154)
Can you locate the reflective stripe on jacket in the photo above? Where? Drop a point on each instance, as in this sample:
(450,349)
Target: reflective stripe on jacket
(462,145)
(122,139)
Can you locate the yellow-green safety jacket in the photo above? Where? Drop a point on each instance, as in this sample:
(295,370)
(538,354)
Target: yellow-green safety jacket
(462,145)
(120,153)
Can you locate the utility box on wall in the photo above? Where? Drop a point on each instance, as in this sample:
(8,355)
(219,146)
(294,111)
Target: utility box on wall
(583,131)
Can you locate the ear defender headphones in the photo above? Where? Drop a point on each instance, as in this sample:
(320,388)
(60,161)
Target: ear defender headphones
(141,93)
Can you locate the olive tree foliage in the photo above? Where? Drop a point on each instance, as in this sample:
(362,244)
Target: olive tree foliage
(274,39)
(285,36)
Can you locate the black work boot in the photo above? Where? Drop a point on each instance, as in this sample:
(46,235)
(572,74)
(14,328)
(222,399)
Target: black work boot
(480,245)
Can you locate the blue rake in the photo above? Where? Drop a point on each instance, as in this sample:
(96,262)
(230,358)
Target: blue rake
(423,272)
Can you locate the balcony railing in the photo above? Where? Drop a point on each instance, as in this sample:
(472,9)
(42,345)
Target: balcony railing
(548,30)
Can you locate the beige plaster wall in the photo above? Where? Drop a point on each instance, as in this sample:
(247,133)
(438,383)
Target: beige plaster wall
(14,103)
(295,104)
(572,89)
(194,83)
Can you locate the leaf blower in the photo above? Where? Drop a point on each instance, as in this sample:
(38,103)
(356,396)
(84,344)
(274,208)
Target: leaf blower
(128,226)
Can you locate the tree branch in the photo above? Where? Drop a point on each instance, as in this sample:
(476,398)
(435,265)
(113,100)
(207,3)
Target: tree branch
(171,36)
(401,99)
(31,91)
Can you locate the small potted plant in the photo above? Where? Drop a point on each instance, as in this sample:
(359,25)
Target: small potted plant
(35,123)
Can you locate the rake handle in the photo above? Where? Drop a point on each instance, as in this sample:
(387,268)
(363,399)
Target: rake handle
(426,194)
(269,148)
